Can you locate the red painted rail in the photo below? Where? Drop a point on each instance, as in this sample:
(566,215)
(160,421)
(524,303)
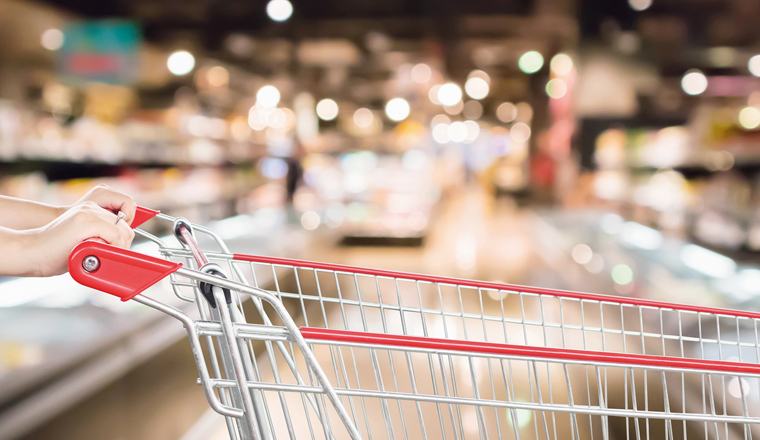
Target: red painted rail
(497,286)
(546,353)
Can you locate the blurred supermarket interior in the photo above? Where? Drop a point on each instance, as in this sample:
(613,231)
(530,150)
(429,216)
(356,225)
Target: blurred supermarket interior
(609,146)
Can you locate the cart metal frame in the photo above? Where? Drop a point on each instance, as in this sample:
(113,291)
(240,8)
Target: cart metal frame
(385,354)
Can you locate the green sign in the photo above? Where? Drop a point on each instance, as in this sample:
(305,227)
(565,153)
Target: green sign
(100,51)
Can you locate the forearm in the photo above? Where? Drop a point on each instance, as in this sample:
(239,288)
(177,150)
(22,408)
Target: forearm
(15,253)
(21,214)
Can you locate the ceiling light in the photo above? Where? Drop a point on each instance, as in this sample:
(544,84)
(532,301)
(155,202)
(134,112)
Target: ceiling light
(397,109)
(363,117)
(556,88)
(268,96)
(531,62)
(449,94)
(754,65)
(476,88)
(421,73)
(52,39)
(327,109)
(180,62)
(561,64)
(279,10)
(694,82)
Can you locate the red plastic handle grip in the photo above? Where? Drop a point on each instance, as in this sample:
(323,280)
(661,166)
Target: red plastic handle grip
(119,272)
(142,215)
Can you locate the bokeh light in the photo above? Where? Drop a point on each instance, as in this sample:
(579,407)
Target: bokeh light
(754,65)
(524,112)
(180,62)
(268,96)
(421,73)
(363,117)
(520,132)
(749,118)
(279,10)
(52,39)
(523,417)
(473,110)
(640,5)
(506,112)
(449,94)
(440,119)
(397,109)
(694,82)
(218,76)
(454,109)
(473,131)
(480,74)
(327,109)
(441,133)
(310,220)
(433,94)
(476,88)
(561,64)
(622,274)
(582,253)
(457,131)
(556,88)
(531,62)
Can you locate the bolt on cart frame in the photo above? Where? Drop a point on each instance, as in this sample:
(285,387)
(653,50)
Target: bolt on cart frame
(383,354)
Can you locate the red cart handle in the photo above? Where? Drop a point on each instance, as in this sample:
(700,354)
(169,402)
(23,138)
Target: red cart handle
(119,272)
(142,215)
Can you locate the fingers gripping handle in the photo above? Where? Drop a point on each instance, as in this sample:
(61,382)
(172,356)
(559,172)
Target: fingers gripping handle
(117,271)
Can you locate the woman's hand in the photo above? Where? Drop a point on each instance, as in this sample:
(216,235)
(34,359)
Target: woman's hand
(20,215)
(45,251)
(111,200)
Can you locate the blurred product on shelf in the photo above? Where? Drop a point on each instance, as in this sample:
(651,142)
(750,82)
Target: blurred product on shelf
(195,191)
(694,180)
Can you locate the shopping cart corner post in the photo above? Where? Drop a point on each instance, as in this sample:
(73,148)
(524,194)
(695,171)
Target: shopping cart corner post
(295,334)
(195,345)
(126,274)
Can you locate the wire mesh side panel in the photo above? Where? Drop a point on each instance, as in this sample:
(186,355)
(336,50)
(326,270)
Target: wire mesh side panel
(400,393)
(281,360)
(351,300)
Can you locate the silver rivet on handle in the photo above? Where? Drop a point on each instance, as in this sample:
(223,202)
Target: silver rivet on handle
(90,263)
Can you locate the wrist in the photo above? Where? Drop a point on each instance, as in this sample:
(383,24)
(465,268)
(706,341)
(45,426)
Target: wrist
(18,252)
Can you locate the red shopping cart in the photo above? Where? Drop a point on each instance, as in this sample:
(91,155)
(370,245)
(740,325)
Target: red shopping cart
(333,351)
